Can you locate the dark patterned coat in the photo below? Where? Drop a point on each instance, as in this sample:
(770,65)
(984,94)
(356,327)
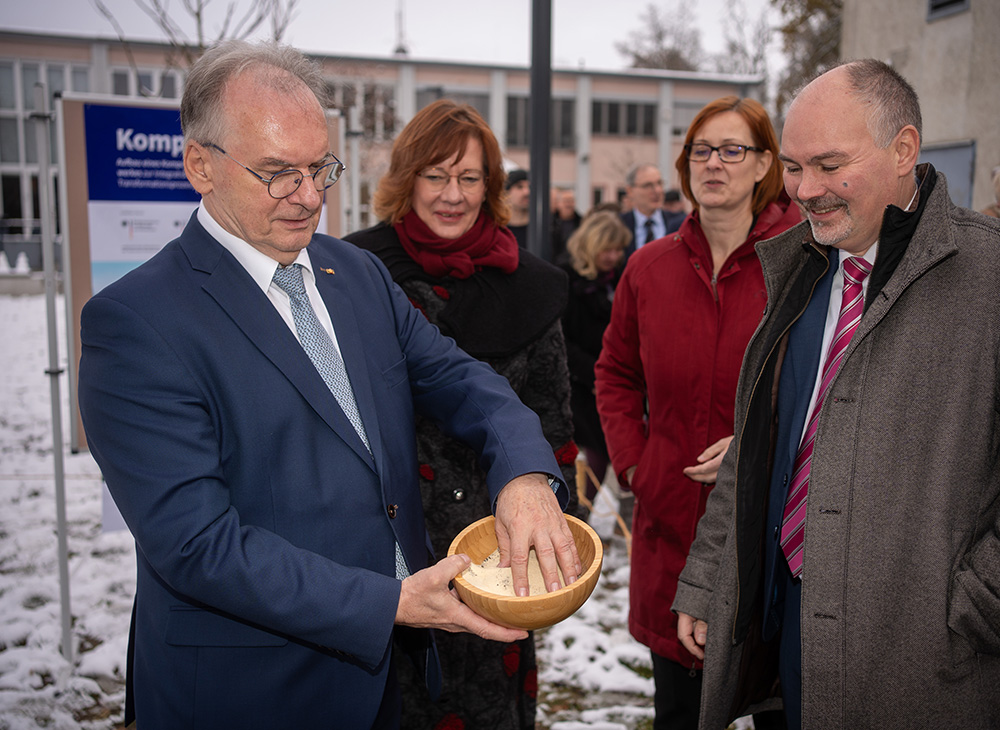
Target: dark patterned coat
(511,322)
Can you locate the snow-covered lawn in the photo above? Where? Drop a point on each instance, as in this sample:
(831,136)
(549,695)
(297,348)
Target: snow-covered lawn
(593,674)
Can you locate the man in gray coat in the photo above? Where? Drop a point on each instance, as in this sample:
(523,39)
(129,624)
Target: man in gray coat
(848,562)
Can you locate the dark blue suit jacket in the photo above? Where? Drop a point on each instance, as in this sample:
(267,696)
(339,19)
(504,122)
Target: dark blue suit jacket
(265,531)
(798,378)
(672,221)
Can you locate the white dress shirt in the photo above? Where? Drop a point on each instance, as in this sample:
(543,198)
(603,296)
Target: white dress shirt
(832,316)
(659,226)
(261,268)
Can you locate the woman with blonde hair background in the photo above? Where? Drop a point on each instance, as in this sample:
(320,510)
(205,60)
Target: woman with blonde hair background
(993,209)
(596,250)
(684,312)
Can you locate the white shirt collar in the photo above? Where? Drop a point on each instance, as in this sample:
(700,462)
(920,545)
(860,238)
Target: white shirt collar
(260,266)
(869,256)
(640,219)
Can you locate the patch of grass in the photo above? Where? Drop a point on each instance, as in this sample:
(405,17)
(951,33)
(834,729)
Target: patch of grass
(644,671)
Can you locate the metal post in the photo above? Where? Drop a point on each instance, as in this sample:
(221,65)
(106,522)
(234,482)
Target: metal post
(43,120)
(354,133)
(539,230)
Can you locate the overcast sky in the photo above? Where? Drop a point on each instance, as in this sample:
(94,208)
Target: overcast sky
(584,32)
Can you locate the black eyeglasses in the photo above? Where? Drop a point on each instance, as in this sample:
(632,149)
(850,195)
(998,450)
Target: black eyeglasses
(727,153)
(284,183)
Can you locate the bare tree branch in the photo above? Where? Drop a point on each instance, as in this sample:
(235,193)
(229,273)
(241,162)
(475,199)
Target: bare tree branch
(810,39)
(282,14)
(667,40)
(187,47)
(120,32)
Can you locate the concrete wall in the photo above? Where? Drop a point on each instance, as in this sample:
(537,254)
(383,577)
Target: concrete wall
(952,61)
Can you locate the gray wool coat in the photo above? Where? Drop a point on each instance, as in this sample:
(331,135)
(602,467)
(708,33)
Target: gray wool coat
(901,579)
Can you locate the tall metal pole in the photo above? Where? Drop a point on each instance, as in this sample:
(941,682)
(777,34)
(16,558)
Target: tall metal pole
(539,235)
(354,133)
(43,120)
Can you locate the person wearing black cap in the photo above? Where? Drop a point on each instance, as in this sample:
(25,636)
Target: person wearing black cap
(673,209)
(518,189)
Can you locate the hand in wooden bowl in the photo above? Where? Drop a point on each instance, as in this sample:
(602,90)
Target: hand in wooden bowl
(479,540)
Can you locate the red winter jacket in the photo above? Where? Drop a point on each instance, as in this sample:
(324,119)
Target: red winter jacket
(676,342)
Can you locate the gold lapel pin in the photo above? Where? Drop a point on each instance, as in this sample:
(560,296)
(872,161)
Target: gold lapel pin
(327,271)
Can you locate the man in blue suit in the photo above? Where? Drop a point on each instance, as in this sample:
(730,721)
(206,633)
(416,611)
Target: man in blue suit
(648,219)
(279,530)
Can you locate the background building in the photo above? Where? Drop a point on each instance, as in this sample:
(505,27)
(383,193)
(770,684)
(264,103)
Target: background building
(950,51)
(602,122)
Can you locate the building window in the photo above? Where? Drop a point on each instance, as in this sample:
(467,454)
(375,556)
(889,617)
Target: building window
(9,139)
(684,114)
(81,78)
(168,85)
(387,97)
(29,77)
(614,118)
(941,8)
(562,114)
(56,78)
(119,83)
(648,120)
(518,131)
(30,143)
(479,102)
(624,119)
(7,100)
(376,102)
(562,122)
(631,120)
(10,189)
(145,85)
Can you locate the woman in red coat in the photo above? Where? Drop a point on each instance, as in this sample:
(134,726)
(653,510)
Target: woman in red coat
(683,313)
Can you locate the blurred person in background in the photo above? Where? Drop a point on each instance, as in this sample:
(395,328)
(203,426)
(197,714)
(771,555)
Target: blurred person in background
(596,252)
(993,209)
(673,209)
(684,311)
(444,240)
(565,220)
(518,196)
(647,219)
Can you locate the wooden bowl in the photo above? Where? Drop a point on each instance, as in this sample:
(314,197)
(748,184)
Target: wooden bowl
(479,540)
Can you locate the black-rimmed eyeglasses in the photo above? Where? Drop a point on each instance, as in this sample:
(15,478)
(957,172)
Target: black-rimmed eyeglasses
(284,183)
(727,152)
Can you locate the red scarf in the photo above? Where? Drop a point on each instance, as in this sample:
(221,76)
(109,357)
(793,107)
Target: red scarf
(485,244)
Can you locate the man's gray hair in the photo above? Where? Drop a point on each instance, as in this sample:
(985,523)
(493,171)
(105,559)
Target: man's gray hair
(281,67)
(891,101)
(633,172)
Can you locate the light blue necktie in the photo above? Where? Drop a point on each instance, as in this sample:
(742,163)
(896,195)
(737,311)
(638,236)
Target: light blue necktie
(330,365)
(318,345)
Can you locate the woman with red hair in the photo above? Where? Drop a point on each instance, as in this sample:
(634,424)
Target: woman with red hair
(684,311)
(444,239)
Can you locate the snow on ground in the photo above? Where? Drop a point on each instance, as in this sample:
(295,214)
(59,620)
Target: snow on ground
(37,687)
(593,675)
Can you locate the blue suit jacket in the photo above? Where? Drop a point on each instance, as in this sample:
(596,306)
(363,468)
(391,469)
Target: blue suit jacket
(672,221)
(798,378)
(265,531)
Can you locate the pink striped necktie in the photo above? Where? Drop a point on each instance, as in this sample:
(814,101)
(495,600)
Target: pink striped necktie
(851,307)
